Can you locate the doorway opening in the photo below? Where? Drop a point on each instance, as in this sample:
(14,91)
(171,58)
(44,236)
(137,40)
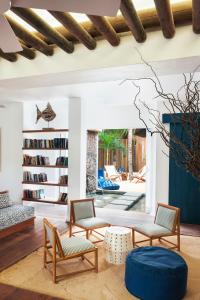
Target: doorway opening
(118,157)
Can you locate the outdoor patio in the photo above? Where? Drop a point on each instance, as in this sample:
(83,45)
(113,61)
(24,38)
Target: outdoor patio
(130,196)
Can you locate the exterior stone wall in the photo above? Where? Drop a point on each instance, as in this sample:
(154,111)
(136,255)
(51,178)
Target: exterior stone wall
(92,160)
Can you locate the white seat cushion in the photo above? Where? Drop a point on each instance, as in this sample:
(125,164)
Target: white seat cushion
(91,222)
(152,229)
(75,245)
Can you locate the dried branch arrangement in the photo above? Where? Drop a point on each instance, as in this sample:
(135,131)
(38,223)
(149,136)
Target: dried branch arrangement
(183,106)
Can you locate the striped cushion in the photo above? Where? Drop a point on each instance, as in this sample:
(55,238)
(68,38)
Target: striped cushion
(92,222)
(75,245)
(165,217)
(83,210)
(152,229)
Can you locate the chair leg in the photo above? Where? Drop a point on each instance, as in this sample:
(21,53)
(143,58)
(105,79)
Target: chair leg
(87,234)
(54,270)
(151,242)
(45,257)
(96,260)
(70,229)
(178,242)
(133,237)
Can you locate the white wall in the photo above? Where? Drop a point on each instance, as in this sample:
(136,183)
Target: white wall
(60,106)
(11,150)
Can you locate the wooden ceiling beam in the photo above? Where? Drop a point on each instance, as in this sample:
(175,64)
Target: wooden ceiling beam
(30,38)
(165,16)
(75,28)
(27,52)
(132,20)
(106,29)
(29,16)
(12,57)
(182,13)
(196,16)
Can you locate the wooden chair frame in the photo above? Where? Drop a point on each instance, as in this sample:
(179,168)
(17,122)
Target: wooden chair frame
(139,176)
(113,176)
(175,231)
(57,255)
(84,229)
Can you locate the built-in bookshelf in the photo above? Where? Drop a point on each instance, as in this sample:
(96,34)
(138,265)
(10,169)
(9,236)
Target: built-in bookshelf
(32,179)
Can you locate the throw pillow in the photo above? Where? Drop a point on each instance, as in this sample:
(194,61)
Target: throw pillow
(5,199)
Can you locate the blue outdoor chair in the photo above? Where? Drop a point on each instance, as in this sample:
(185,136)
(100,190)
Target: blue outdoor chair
(106,184)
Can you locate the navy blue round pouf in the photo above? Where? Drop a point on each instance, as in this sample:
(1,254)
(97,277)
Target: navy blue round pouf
(155,273)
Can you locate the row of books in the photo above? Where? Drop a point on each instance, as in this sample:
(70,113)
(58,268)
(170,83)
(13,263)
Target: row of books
(39,194)
(29,177)
(63,179)
(33,194)
(62,197)
(62,161)
(57,143)
(37,160)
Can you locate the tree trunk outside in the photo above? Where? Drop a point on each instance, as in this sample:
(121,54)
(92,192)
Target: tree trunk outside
(107,156)
(130,154)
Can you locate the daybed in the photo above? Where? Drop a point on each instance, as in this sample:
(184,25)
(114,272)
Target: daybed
(13,217)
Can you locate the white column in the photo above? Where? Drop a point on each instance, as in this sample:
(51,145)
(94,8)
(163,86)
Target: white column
(151,201)
(162,170)
(77,150)
(149,174)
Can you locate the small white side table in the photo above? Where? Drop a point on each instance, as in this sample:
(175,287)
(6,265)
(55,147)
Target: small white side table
(118,243)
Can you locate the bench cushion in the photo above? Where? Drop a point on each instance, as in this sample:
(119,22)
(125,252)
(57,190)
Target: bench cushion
(15,214)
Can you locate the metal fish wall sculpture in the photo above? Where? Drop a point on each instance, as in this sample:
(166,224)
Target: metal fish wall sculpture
(48,114)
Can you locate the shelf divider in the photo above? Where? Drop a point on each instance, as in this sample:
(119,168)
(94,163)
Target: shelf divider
(44,183)
(46,166)
(45,130)
(44,201)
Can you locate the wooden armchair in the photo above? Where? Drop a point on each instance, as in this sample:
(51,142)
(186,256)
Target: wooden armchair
(166,223)
(61,248)
(82,215)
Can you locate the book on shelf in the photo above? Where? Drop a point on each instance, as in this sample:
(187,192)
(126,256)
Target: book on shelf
(63,197)
(33,194)
(62,161)
(29,177)
(56,143)
(63,179)
(37,160)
